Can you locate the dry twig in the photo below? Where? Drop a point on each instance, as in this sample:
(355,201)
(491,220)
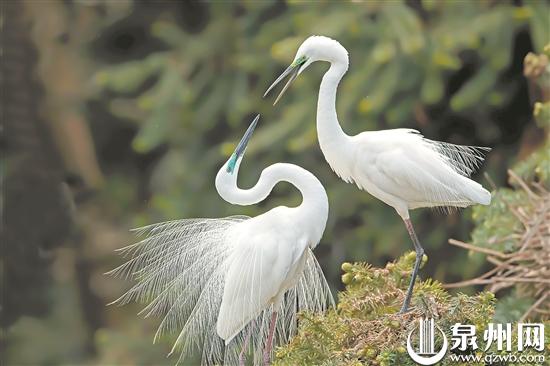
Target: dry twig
(528,266)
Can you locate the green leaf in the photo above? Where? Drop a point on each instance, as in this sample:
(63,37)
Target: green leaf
(474,89)
(432,87)
(539,23)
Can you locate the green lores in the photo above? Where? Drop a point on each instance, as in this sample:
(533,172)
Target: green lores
(300,61)
(365,329)
(231,163)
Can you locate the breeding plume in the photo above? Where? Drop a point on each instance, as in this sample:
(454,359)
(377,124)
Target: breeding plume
(399,167)
(232,286)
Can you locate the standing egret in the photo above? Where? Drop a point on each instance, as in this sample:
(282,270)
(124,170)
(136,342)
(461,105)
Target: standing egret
(230,284)
(399,167)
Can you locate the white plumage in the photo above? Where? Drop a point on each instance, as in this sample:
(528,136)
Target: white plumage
(407,171)
(217,282)
(268,254)
(400,167)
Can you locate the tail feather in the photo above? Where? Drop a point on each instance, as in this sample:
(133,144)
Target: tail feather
(475,192)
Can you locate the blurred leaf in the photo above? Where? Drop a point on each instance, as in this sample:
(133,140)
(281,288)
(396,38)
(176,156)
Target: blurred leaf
(433,87)
(474,89)
(539,23)
(128,77)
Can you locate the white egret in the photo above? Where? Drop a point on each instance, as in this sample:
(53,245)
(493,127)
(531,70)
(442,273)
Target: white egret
(399,167)
(231,284)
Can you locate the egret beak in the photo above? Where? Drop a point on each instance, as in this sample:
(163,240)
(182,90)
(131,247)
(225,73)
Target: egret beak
(241,147)
(293,70)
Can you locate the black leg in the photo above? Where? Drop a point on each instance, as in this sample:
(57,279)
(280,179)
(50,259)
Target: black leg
(419,254)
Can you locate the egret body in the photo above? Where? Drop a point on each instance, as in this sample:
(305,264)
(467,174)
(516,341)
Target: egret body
(231,284)
(399,167)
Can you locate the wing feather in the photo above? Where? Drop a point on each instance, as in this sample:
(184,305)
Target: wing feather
(180,270)
(463,159)
(257,271)
(174,265)
(421,172)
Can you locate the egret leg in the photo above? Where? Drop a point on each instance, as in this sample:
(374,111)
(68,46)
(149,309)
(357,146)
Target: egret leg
(242,358)
(419,254)
(269,343)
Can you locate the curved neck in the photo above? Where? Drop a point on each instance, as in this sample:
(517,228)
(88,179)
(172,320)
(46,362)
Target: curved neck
(313,192)
(328,127)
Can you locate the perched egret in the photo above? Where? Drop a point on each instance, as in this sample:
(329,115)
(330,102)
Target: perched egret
(233,284)
(399,167)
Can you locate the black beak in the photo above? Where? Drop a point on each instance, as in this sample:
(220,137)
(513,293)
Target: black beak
(241,147)
(292,70)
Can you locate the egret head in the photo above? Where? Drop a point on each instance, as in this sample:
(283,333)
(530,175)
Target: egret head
(238,154)
(315,48)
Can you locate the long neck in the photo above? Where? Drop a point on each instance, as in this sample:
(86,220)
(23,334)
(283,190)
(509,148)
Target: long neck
(313,193)
(328,128)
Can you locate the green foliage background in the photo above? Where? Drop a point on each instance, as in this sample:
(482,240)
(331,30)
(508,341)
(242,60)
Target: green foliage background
(405,62)
(169,88)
